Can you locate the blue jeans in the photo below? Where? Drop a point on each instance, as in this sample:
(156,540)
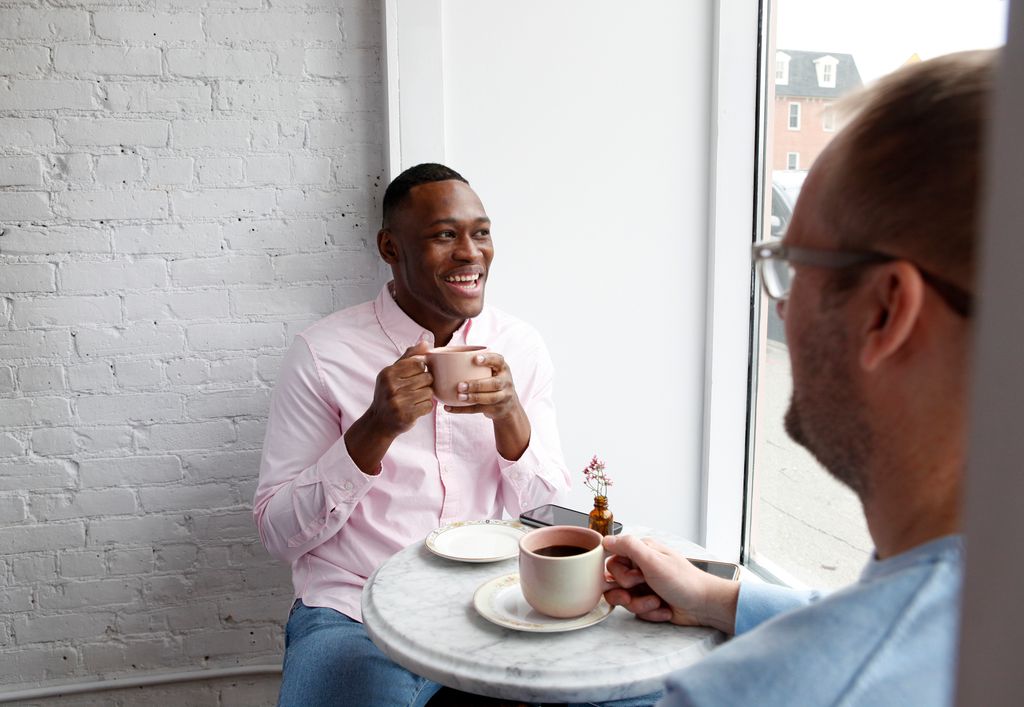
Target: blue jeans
(329,660)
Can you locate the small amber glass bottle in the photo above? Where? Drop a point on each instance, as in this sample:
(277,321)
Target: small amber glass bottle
(601,517)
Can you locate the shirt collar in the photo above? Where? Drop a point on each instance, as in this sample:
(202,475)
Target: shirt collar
(947,548)
(402,330)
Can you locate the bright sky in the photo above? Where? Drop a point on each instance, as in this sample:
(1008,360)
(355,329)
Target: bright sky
(882,34)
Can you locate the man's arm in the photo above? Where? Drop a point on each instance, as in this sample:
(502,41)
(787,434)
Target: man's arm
(658,584)
(759,601)
(308,483)
(311,479)
(525,429)
(401,395)
(497,399)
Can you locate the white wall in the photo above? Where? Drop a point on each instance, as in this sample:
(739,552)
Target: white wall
(583,125)
(183,185)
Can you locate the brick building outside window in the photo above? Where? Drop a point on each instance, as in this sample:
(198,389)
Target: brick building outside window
(806,86)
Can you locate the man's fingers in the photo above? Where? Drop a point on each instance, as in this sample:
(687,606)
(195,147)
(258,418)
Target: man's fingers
(485,386)
(660,615)
(464,409)
(623,574)
(481,399)
(654,544)
(648,604)
(649,607)
(417,349)
(410,367)
(617,597)
(619,560)
(494,361)
(422,407)
(639,550)
(414,406)
(417,387)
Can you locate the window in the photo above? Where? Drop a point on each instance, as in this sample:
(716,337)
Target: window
(781,68)
(802,526)
(828,119)
(825,70)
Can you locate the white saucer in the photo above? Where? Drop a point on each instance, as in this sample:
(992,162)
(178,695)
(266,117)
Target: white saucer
(500,601)
(477,540)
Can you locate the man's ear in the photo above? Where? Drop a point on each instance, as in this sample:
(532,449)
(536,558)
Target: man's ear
(387,246)
(895,296)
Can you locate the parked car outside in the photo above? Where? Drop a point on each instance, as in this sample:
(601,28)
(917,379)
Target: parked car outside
(785,190)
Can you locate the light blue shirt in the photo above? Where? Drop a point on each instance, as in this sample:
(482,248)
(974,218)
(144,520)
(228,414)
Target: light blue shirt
(889,639)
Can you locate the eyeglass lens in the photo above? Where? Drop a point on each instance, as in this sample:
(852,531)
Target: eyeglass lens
(777,274)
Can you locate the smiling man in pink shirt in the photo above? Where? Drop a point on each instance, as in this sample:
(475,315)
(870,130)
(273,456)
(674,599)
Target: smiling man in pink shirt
(359,461)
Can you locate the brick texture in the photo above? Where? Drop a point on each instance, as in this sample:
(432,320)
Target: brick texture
(179,181)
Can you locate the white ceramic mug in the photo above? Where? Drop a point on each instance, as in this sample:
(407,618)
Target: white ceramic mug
(451,365)
(563,586)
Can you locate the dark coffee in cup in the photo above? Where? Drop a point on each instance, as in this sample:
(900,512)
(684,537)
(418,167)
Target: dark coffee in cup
(561,570)
(561,550)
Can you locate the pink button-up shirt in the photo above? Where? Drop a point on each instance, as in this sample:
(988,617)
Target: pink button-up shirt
(313,506)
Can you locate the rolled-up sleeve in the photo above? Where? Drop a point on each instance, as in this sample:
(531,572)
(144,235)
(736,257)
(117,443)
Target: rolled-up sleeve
(308,483)
(540,475)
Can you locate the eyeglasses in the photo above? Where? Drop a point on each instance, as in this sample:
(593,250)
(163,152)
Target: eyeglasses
(775,261)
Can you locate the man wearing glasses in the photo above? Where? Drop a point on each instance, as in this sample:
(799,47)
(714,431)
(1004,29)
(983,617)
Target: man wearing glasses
(873,280)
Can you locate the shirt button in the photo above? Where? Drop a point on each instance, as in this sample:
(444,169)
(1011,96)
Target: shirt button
(348,485)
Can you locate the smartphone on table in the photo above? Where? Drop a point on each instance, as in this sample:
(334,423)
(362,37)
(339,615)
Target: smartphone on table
(551,514)
(725,570)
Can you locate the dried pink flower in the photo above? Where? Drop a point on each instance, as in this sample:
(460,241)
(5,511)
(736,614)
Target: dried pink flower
(595,477)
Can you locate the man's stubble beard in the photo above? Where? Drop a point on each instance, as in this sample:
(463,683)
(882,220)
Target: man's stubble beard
(826,414)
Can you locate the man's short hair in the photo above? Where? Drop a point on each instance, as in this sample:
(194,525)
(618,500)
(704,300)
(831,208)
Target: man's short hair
(906,178)
(414,176)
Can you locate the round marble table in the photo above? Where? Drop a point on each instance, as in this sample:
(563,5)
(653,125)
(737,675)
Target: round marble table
(418,608)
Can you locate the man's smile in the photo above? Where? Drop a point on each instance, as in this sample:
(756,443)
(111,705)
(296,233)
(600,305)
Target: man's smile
(465,283)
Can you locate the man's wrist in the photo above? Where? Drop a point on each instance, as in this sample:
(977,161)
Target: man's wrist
(720,608)
(512,433)
(514,416)
(367,442)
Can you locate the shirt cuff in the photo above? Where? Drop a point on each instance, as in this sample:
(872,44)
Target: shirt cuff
(522,472)
(343,480)
(760,601)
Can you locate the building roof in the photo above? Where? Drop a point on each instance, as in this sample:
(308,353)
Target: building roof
(803,77)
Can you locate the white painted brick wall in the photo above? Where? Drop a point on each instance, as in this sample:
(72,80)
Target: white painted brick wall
(184,185)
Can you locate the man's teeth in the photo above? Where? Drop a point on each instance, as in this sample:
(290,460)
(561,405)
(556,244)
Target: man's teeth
(462,278)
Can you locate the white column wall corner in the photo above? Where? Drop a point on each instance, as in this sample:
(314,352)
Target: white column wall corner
(732,212)
(584,127)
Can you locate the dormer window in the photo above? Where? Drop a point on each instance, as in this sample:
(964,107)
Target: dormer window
(781,68)
(825,68)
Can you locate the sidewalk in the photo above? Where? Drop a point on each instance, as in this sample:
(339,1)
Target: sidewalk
(803,519)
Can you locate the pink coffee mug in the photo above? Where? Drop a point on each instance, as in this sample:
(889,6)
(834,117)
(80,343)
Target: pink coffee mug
(451,365)
(561,570)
